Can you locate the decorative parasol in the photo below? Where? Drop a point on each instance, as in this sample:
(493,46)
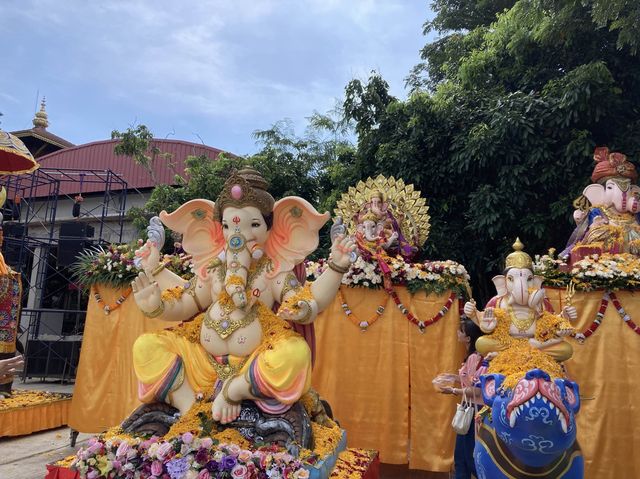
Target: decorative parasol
(15,159)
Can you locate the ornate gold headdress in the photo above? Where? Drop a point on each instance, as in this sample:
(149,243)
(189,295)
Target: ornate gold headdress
(370,217)
(243,188)
(378,194)
(518,259)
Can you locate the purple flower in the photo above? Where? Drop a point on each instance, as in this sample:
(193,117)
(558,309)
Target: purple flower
(177,468)
(187,438)
(202,456)
(227,463)
(213,466)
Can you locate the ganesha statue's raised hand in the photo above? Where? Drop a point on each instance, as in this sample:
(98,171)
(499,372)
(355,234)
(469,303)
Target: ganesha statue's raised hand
(245,247)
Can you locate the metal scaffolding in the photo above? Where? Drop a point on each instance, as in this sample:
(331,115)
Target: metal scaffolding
(54,308)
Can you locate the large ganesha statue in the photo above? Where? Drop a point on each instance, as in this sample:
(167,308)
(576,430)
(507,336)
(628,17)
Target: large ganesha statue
(234,347)
(607,212)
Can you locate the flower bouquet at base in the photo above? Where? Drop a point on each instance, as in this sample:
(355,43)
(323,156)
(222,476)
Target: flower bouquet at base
(196,447)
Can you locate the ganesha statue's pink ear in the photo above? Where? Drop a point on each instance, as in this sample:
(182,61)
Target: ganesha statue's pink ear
(294,233)
(201,234)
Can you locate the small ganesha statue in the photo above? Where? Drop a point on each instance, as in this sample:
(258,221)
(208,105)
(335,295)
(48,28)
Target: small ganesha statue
(607,212)
(232,346)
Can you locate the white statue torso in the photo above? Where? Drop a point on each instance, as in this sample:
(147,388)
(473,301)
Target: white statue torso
(246,339)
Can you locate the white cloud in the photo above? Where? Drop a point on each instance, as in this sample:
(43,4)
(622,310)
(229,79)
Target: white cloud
(236,61)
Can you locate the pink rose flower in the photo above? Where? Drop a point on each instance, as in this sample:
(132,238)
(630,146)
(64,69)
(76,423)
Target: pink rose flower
(207,442)
(187,438)
(164,450)
(239,472)
(156,468)
(244,456)
(123,448)
(204,474)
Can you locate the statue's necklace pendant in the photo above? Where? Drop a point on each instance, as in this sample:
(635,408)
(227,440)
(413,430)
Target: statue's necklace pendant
(225,326)
(523,325)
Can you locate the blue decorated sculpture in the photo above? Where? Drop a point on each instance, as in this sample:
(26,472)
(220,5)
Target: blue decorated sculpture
(529,431)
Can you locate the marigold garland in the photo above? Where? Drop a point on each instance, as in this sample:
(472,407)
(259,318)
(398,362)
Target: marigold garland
(108,308)
(519,356)
(22,399)
(363,325)
(625,317)
(171,295)
(548,325)
(426,323)
(303,294)
(353,464)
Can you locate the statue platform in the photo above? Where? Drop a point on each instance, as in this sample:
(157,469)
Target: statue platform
(32,411)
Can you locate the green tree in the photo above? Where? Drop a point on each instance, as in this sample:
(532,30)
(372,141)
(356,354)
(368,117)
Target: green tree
(502,121)
(316,166)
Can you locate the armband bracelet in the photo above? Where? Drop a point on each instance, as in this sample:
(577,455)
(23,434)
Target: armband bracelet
(156,312)
(158,268)
(338,269)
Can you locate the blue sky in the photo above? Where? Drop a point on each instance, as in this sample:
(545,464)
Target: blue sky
(214,69)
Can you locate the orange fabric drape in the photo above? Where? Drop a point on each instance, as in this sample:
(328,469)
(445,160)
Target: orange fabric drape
(106,388)
(378,382)
(606,368)
(30,419)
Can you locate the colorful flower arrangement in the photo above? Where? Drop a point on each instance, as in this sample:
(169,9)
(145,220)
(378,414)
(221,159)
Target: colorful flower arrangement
(430,276)
(193,449)
(116,266)
(597,271)
(184,457)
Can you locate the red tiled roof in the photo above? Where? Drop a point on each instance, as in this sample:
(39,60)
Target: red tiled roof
(99,155)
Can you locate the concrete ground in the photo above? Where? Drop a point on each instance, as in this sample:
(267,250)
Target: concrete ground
(25,457)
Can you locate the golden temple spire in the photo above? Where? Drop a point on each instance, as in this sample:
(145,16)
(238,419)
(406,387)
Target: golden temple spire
(518,259)
(41,119)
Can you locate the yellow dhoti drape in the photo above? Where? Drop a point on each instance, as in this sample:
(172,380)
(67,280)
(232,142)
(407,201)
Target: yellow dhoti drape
(279,370)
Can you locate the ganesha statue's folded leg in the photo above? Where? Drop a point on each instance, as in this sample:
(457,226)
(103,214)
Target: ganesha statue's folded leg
(275,376)
(486,345)
(163,360)
(560,351)
(278,377)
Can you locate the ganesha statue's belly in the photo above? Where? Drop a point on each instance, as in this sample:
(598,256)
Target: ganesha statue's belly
(529,332)
(241,342)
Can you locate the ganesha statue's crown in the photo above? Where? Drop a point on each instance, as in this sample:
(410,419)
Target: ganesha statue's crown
(612,165)
(518,259)
(244,188)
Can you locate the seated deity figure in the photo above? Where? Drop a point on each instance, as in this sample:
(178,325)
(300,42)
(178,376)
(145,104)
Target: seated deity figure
(387,225)
(232,346)
(607,212)
(521,298)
